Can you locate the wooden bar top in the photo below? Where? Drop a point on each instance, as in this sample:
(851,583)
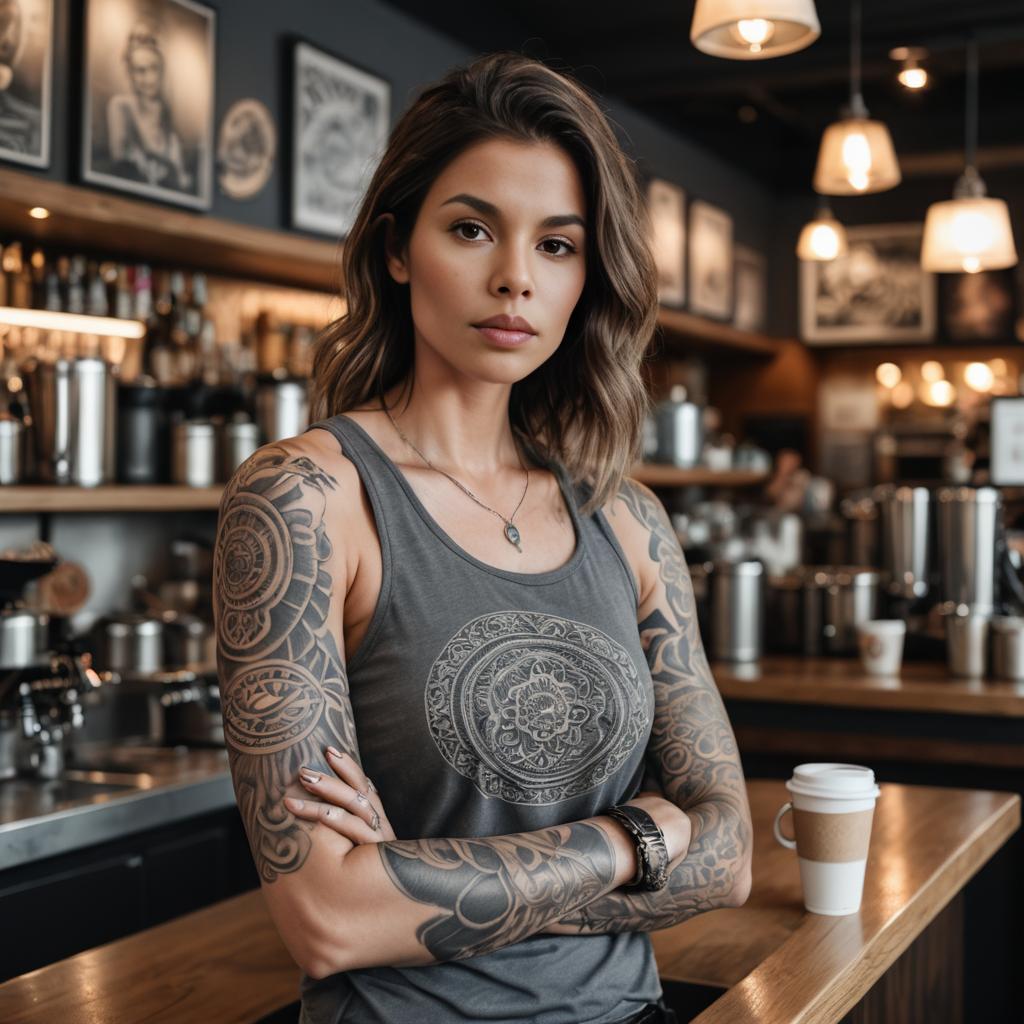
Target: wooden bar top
(842,682)
(782,965)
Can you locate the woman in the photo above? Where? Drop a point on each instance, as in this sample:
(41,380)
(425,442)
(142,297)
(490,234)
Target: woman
(140,129)
(504,681)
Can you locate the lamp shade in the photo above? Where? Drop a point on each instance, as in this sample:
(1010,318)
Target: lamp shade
(969,234)
(856,156)
(821,239)
(753,29)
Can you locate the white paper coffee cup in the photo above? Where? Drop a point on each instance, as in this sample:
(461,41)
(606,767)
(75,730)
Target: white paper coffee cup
(880,642)
(833,806)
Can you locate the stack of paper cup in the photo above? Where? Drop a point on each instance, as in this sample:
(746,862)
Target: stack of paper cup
(833,806)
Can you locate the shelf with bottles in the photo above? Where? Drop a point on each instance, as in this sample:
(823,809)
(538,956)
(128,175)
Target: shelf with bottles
(81,217)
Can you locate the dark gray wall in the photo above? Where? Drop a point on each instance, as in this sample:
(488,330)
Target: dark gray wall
(253,43)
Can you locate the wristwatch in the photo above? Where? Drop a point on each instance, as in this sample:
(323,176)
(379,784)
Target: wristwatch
(651,851)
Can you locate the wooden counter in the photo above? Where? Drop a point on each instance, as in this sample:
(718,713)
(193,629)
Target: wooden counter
(781,965)
(842,682)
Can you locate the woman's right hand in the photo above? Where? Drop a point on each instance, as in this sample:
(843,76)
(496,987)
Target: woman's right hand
(673,822)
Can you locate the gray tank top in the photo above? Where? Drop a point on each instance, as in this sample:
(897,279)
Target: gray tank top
(488,702)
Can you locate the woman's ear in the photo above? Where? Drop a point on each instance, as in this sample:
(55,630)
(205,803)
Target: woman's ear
(397,259)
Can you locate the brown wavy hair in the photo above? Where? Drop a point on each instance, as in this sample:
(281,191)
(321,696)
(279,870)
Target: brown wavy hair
(585,406)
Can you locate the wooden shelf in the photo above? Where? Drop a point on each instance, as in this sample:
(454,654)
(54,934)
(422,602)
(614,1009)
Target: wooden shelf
(657,475)
(681,330)
(154,232)
(36,498)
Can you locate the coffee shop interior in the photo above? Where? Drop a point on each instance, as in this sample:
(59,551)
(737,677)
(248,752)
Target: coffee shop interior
(836,430)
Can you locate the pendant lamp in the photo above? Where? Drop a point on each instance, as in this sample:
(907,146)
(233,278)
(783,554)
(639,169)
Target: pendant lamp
(821,239)
(856,155)
(753,29)
(971,231)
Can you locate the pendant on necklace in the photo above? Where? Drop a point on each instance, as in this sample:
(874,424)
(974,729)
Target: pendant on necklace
(512,536)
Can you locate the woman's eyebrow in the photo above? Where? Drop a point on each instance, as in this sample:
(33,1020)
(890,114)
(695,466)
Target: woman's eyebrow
(490,210)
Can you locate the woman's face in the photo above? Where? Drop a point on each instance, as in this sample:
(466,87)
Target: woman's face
(145,67)
(501,231)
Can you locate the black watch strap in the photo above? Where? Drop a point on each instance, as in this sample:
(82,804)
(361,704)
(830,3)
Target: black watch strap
(651,851)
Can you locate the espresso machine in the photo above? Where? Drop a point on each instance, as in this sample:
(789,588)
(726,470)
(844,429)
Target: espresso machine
(44,675)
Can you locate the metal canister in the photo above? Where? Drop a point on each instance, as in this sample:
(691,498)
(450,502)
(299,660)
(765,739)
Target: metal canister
(238,441)
(784,613)
(968,521)
(836,599)
(680,429)
(74,416)
(194,455)
(904,539)
(282,408)
(1007,636)
(185,639)
(11,431)
(130,642)
(737,610)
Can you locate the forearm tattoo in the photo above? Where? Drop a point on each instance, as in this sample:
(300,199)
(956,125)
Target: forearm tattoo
(496,891)
(692,751)
(284,692)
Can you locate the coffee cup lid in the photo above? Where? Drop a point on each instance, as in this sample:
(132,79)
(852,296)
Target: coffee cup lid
(841,781)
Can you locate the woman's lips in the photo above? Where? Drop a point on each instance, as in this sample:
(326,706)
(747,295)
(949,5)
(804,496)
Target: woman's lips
(507,339)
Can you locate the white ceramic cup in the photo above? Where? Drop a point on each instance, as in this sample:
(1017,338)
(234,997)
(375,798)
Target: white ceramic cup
(880,642)
(833,806)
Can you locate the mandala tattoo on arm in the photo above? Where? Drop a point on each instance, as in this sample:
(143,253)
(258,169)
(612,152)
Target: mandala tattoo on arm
(496,891)
(284,692)
(692,751)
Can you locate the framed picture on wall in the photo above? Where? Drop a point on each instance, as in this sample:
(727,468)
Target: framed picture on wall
(751,306)
(666,204)
(978,307)
(26,61)
(341,119)
(874,294)
(710,261)
(147,124)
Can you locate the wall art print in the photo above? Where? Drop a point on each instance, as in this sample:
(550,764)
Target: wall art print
(342,116)
(710,261)
(666,205)
(26,59)
(876,293)
(148,98)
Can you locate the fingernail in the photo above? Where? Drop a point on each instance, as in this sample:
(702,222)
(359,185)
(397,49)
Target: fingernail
(370,786)
(375,824)
(293,803)
(308,776)
(334,752)
(362,799)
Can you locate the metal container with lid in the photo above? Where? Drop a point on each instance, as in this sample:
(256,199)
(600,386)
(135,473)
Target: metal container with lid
(194,457)
(680,429)
(905,523)
(836,599)
(130,642)
(969,521)
(1007,639)
(737,610)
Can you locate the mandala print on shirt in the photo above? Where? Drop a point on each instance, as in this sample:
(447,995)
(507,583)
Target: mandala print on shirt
(535,708)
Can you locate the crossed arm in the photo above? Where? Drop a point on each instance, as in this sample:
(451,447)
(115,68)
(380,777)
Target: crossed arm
(341,904)
(692,751)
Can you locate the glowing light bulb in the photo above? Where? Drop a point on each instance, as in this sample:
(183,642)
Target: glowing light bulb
(913,78)
(825,242)
(903,395)
(857,159)
(888,374)
(39,212)
(753,32)
(931,370)
(941,393)
(979,376)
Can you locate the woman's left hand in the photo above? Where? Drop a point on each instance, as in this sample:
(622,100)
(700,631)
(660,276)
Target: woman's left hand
(347,802)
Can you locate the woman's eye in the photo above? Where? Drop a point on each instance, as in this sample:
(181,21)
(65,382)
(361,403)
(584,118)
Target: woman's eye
(468,226)
(568,247)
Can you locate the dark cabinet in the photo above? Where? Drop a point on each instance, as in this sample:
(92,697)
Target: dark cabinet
(59,906)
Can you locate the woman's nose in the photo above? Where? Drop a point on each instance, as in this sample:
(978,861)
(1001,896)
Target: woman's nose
(512,276)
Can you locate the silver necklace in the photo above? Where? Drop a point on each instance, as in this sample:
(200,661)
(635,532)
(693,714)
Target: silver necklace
(512,534)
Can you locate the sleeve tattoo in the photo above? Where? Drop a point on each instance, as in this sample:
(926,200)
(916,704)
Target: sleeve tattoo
(285,698)
(284,692)
(692,751)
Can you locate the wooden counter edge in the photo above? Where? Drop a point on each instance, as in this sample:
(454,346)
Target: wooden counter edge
(845,989)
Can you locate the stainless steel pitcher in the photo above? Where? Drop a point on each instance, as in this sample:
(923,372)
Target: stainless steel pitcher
(74,419)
